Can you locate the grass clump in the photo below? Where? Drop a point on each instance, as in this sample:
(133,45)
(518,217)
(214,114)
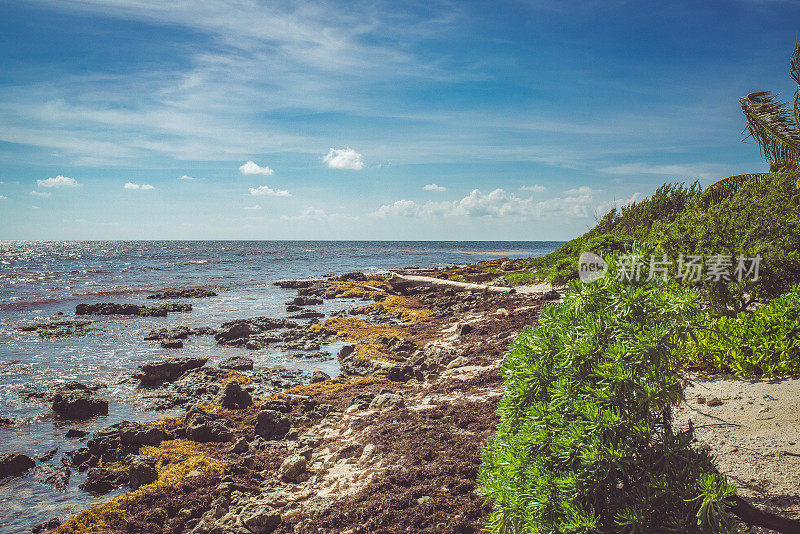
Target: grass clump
(584,442)
(356,329)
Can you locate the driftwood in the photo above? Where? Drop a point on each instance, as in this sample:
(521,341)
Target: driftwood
(753,516)
(400,280)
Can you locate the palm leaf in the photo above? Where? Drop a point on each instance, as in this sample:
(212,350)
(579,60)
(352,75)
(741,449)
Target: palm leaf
(794,72)
(773,126)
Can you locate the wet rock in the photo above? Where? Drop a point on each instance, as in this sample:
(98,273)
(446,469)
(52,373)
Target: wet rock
(319,376)
(176,307)
(261,521)
(57,329)
(141,471)
(232,331)
(47,526)
(4,421)
(354,276)
(55,476)
(233,396)
(167,370)
(46,457)
(203,428)
(464,328)
(294,284)
(171,343)
(240,446)
(73,433)
(346,351)
(238,363)
(139,434)
(194,293)
(293,468)
(179,332)
(14,464)
(272,424)
(110,308)
(293,308)
(203,331)
(386,401)
(80,458)
(307,315)
(100,481)
(277,405)
(306,301)
(78,405)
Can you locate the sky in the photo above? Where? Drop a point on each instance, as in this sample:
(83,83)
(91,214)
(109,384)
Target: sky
(462,120)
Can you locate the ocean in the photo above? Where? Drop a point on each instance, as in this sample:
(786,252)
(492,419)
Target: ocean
(39,280)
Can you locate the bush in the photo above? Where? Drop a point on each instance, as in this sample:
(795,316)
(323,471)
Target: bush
(763,342)
(584,442)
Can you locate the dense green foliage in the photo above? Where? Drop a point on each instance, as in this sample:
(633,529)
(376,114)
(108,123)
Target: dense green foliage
(764,342)
(585,442)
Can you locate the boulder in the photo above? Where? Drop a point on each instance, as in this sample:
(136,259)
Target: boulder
(242,328)
(99,481)
(139,434)
(203,428)
(354,276)
(78,405)
(14,464)
(171,343)
(293,468)
(238,363)
(167,370)
(233,396)
(55,476)
(464,328)
(47,456)
(386,401)
(179,332)
(261,521)
(75,433)
(305,301)
(319,376)
(141,471)
(307,315)
(272,424)
(47,526)
(293,284)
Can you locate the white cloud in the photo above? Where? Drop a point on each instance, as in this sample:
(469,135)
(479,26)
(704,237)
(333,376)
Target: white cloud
(143,187)
(254,207)
(251,167)
(434,187)
(58,181)
(185,177)
(265,190)
(3,197)
(39,194)
(344,158)
(314,214)
(535,188)
(400,208)
(35,207)
(582,190)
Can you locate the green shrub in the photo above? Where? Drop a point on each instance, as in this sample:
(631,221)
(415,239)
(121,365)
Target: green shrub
(584,442)
(763,342)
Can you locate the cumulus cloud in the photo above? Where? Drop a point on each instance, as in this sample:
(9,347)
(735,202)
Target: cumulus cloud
(264,190)
(133,186)
(251,167)
(535,188)
(314,214)
(3,197)
(58,181)
(434,187)
(39,194)
(185,177)
(583,190)
(254,207)
(344,158)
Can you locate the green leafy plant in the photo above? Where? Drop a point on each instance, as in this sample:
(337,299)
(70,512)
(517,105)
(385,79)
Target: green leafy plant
(584,442)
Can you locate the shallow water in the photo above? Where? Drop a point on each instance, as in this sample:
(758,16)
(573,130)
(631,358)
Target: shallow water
(40,279)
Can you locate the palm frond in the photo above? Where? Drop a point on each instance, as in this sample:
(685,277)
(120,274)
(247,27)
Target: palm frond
(794,72)
(772,125)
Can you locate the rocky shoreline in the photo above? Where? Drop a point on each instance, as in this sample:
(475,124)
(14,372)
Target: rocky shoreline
(391,445)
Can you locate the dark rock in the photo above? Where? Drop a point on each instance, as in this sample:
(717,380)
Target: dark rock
(4,421)
(167,370)
(203,331)
(551,295)
(193,293)
(355,276)
(243,328)
(346,351)
(110,308)
(77,458)
(142,471)
(14,464)
(100,481)
(294,284)
(240,446)
(277,405)
(307,315)
(238,363)
(305,301)
(293,308)
(271,424)
(75,433)
(46,457)
(139,434)
(319,376)
(47,526)
(262,521)
(176,307)
(233,396)
(463,329)
(171,343)
(202,428)
(78,405)
(55,476)
(180,332)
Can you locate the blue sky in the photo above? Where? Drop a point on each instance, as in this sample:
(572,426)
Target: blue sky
(241,119)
